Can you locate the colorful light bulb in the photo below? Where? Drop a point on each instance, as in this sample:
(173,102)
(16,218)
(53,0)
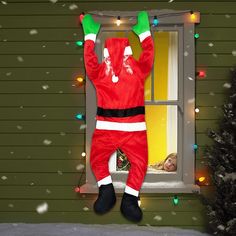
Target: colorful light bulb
(155,21)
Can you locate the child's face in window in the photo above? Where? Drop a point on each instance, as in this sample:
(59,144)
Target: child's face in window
(170,164)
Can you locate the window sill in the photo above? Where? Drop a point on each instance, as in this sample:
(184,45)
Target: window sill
(158,187)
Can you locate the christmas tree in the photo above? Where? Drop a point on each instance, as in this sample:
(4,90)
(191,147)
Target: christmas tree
(221,208)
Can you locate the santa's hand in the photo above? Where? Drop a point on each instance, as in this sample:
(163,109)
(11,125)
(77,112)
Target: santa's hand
(90,27)
(142,28)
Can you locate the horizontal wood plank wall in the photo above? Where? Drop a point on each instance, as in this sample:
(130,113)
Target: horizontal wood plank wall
(32,172)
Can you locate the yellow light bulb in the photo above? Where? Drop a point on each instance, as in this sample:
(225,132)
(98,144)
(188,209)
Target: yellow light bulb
(193,17)
(80,79)
(201,179)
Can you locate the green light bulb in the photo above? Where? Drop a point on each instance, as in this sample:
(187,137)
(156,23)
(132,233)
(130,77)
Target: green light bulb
(176,200)
(79,43)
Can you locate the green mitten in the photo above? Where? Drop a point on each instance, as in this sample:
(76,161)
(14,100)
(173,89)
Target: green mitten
(89,25)
(143,23)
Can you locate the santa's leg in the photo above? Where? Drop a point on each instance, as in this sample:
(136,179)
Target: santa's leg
(136,150)
(100,153)
(101,149)
(137,153)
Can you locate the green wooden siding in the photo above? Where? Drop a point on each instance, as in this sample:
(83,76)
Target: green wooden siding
(30,114)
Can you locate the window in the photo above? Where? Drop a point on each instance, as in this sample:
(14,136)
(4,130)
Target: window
(169,105)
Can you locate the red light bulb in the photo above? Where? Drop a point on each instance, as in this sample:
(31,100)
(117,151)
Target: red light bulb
(77,189)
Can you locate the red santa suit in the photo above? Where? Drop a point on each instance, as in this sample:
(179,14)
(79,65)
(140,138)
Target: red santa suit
(120,119)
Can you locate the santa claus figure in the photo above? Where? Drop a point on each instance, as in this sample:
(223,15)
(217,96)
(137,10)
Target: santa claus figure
(120,119)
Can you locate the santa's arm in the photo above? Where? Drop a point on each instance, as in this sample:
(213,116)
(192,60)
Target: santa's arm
(142,29)
(91,29)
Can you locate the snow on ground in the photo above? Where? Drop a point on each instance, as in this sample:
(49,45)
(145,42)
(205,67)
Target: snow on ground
(74,229)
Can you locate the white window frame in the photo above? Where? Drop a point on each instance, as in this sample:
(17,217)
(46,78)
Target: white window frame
(183,180)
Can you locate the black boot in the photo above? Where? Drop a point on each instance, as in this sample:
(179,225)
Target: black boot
(106,199)
(130,209)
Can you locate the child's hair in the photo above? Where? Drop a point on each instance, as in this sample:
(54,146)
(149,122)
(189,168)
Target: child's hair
(160,165)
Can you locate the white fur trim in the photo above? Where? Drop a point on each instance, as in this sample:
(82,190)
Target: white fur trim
(127,51)
(106,180)
(109,125)
(90,36)
(131,191)
(144,35)
(105,52)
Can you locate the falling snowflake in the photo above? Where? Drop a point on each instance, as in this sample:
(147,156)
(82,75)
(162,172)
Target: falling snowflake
(45,86)
(47,142)
(185,53)
(227,16)
(53,1)
(85,208)
(157,217)
(171,1)
(79,167)
(191,100)
(10,205)
(234,53)
(20,59)
(73,7)
(221,227)
(33,31)
(4,3)
(173,213)
(42,208)
(227,85)
(19,127)
(69,151)
(47,72)
(62,133)
(59,172)
(48,191)
(214,55)
(194,218)
(211,93)
(8,73)
(190,78)
(210,44)
(83,126)
(83,154)
(4,177)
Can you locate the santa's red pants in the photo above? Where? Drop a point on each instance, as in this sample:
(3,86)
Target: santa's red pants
(132,143)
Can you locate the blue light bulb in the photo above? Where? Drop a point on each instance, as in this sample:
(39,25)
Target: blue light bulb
(155,21)
(195,146)
(79,116)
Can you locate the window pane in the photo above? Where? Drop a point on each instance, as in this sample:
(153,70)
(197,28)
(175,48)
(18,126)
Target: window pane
(137,50)
(162,137)
(166,65)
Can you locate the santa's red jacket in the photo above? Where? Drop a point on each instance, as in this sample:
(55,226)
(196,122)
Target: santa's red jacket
(119,79)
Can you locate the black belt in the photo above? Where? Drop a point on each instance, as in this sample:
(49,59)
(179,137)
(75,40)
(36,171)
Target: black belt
(121,112)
